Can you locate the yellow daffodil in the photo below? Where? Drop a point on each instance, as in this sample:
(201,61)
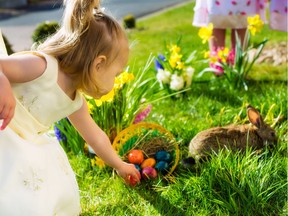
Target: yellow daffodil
(207,54)
(105,98)
(122,79)
(90,107)
(255,24)
(175,49)
(98,103)
(222,54)
(99,162)
(205,33)
(174,58)
(213,59)
(180,65)
(108,97)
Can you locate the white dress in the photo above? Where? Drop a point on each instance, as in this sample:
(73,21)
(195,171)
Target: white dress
(227,13)
(36,178)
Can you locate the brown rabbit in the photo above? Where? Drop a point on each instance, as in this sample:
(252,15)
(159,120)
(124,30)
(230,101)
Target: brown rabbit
(234,137)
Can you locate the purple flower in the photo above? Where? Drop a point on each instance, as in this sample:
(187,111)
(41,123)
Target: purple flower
(158,65)
(59,135)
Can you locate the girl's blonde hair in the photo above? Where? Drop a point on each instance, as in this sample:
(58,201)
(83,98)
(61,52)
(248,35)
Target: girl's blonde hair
(85,33)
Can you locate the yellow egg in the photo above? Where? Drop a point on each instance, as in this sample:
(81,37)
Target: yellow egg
(149,162)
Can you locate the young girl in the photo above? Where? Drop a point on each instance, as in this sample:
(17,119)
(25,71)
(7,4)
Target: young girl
(226,14)
(41,87)
(278,15)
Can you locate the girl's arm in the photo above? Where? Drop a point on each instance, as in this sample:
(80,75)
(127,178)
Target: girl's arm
(16,69)
(100,143)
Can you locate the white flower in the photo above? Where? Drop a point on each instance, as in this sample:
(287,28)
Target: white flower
(188,76)
(163,76)
(177,82)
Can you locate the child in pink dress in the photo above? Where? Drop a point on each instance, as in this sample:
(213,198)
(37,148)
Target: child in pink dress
(226,14)
(278,15)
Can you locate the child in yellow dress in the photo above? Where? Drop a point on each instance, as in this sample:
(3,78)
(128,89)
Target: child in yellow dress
(41,87)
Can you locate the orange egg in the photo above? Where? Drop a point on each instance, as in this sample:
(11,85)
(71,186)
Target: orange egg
(149,162)
(136,156)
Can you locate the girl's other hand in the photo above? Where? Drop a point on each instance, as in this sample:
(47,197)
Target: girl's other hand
(7,102)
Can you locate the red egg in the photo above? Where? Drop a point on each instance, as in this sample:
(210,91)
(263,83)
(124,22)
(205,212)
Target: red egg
(135,156)
(132,180)
(149,173)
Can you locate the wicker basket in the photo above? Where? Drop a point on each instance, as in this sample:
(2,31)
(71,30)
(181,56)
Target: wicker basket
(150,138)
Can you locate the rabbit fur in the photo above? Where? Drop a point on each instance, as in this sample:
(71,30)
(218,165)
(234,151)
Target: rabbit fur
(235,137)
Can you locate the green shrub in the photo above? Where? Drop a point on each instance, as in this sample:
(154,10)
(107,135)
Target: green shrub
(129,21)
(43,30)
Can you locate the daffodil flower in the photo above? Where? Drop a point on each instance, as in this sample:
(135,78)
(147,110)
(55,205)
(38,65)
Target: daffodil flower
(205,33)
(175,49)
(99,162)
(255,24)
(174,58)
(90,107)
(223,54)
(207,54)
(180,65)
(105,98)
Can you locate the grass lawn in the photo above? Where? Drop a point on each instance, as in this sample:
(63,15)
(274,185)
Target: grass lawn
(229,184)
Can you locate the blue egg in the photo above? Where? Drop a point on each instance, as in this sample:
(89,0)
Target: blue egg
(163,156)
(162,166)
(137,167)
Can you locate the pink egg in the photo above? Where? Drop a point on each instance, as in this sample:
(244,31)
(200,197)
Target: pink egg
(149,173)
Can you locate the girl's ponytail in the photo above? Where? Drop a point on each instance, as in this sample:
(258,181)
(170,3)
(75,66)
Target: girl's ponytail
(77,15)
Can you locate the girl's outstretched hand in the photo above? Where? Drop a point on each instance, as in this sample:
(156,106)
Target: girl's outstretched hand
(129,173)
(7,102)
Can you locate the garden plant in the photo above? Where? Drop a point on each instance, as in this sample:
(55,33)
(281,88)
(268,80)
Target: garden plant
(230,183)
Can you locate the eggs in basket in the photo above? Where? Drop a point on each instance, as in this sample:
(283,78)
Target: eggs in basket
(151,148)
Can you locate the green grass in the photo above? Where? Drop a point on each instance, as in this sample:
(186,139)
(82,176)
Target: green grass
(229,184)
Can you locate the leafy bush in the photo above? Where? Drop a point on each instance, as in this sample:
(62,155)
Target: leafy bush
(129,21)
(43,30)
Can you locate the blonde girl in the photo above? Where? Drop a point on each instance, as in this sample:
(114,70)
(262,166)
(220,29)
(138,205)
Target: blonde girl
(38,88)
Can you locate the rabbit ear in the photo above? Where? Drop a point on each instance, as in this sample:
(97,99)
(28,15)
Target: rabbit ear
(254,116)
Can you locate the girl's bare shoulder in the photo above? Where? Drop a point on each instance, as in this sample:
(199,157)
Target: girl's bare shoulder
(23,67)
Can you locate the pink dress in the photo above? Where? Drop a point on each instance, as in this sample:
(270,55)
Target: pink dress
(278,15)
(227,13)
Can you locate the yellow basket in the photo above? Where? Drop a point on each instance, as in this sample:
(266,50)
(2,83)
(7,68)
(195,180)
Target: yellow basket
(140,133)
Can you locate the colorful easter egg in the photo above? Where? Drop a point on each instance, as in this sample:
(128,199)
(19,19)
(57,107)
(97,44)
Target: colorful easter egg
(149,173)
(138,167)
(133,181)
(136,156)
(162,166)
(163,156)
(149,162)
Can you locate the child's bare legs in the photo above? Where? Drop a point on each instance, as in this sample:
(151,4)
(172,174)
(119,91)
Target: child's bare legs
(218,39)
(241,34)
